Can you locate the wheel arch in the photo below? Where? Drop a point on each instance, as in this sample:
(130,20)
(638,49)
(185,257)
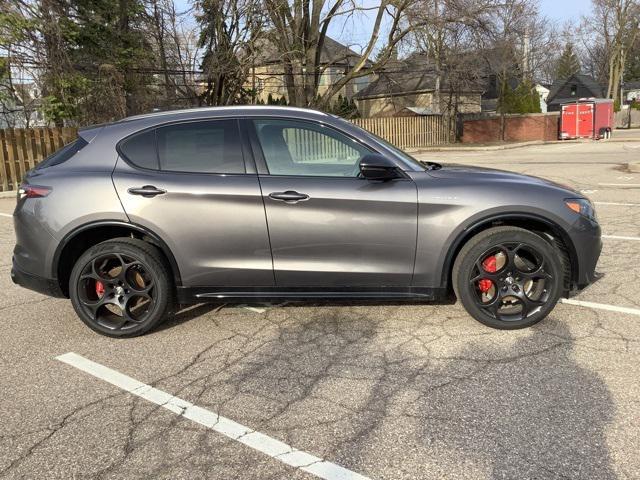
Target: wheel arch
(529,221)
(85,236)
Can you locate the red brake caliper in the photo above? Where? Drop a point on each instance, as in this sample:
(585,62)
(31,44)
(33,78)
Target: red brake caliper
(99,288)
(489,264)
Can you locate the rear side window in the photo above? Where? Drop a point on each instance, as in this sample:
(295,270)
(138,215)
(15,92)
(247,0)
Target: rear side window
(211,146)
(140,150)
(64,154)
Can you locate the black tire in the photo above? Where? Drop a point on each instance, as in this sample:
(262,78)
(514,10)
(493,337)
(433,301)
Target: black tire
(123,275)
(534,285)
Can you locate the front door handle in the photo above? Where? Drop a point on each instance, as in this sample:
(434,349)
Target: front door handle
(147,191)
(289,196)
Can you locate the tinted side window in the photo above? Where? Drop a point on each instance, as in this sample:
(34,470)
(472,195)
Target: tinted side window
(140,150)
(202,147)
(301,148)
(64,154)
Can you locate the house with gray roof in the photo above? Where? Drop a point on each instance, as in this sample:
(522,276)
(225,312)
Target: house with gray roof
(412,86)
(571,89)
(335,58)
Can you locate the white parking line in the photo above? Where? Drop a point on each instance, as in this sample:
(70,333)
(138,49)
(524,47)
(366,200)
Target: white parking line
(6,215)
(618,204)
(233,430)
(601,306)
(253,309)
(620,184)
(621,237)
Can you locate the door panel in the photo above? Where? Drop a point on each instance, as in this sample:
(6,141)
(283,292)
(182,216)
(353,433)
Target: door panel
(214,224)
(193,192)
(328,227)
(349,232)
(585,120)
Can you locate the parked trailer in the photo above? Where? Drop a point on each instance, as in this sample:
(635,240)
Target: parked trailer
(586,118)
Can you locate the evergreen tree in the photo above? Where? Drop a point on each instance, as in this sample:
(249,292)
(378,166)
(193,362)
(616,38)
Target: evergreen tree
(568,63)
(523,99)
(96,50)
(632,67)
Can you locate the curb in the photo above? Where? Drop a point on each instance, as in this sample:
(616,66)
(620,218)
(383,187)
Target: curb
(510,146)
(621,140)
(487,148)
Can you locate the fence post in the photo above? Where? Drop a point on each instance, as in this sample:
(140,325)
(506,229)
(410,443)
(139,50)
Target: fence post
(3,161)
(21,149)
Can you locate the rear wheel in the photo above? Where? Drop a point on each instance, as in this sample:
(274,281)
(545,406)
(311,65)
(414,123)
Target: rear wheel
(508,277)
(122,288)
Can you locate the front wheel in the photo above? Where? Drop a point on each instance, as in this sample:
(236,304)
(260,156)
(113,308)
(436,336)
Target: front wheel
(122,288)
(508,277)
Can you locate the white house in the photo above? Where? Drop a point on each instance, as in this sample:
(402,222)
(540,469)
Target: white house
(543,93)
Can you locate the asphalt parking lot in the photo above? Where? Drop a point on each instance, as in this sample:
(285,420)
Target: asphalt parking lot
(392,391)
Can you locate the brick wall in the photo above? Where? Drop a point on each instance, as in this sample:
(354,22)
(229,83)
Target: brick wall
(518,128)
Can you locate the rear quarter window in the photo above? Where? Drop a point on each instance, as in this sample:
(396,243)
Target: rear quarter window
(64,154)
(140,150)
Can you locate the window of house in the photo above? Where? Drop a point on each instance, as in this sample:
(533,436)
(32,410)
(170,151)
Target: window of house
(308,149)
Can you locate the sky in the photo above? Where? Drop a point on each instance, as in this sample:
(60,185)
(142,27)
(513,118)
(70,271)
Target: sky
(355,31)
(564,9)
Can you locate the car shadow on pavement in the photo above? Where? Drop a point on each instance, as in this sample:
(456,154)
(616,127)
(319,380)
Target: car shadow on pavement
(414,401)
(187,313)
(529,411)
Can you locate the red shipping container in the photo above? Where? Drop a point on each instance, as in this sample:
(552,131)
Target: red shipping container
(586,118)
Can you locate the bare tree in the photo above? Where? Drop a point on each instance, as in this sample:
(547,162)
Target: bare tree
(299,29)
(447,35)
(228,35)
(174,38)
(610,31)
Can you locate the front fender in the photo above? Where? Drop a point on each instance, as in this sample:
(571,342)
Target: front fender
(437,247)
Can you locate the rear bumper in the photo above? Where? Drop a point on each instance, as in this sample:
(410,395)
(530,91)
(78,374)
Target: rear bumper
(46,286)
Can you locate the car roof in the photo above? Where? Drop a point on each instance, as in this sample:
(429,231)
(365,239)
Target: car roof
(137,122)
(226,110)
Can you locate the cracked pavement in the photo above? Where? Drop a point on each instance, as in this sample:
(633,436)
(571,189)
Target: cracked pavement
(388,390)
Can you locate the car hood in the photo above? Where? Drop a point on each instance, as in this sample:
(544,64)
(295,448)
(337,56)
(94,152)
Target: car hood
(492,174)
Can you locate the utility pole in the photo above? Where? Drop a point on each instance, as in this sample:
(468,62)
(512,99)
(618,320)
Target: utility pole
(526,52)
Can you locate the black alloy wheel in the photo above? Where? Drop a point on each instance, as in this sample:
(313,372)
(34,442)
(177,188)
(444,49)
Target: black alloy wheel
(122,288)
(508,277)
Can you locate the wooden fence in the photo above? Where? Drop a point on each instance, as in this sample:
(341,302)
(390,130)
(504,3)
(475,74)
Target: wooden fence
(22,149)
(408,132)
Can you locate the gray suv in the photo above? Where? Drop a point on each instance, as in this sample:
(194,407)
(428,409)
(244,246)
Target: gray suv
(137,217)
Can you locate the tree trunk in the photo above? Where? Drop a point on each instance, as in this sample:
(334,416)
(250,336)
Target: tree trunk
(159,25)
(129,77)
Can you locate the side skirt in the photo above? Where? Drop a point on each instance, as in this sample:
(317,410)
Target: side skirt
(187,295)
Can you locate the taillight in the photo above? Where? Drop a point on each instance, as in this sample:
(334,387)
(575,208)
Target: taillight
(33,191)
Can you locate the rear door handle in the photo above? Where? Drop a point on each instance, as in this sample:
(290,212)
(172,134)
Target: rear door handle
(146,191)
(289,196)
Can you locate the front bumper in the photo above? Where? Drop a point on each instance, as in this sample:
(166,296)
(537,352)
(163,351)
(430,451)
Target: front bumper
(587,241)
(46,286)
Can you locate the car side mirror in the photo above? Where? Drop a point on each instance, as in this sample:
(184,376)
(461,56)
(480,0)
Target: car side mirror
(378,167)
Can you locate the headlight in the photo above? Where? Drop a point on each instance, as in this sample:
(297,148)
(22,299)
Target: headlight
(581,206)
